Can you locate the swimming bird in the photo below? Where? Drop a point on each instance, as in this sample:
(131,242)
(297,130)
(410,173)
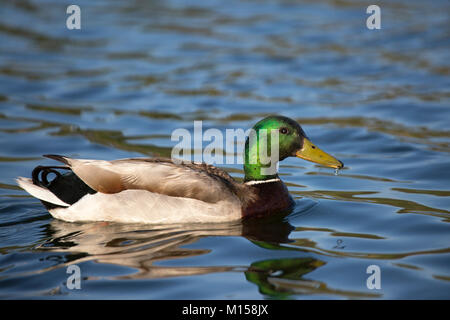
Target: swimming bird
(159,190)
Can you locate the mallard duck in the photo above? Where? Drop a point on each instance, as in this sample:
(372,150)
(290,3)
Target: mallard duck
(156,190)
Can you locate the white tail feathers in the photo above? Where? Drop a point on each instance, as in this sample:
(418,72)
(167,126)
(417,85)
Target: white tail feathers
(39,192)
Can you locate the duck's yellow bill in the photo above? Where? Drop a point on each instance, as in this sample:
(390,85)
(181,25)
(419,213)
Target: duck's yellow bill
(312,153)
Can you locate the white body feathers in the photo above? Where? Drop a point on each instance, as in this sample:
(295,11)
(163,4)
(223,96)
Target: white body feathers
(139,191)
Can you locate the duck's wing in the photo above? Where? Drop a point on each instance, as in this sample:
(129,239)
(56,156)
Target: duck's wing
(186,179)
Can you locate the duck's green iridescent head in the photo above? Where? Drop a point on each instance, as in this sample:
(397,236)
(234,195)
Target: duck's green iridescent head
(275,138)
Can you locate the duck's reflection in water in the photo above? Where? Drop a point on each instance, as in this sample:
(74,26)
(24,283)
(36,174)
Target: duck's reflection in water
(139,246)
(144,247)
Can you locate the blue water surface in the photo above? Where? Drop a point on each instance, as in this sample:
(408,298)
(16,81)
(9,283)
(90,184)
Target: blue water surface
(137,70)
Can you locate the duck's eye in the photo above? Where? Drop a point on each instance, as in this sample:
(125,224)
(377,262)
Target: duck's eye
(284,130)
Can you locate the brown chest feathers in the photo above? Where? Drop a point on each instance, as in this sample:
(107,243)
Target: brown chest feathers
(269,198)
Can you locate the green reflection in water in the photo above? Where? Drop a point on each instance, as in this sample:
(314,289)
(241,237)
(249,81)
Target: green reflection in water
(282,278)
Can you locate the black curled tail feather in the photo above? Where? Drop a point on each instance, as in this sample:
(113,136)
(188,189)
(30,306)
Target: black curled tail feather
(44,171)
(66,186)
